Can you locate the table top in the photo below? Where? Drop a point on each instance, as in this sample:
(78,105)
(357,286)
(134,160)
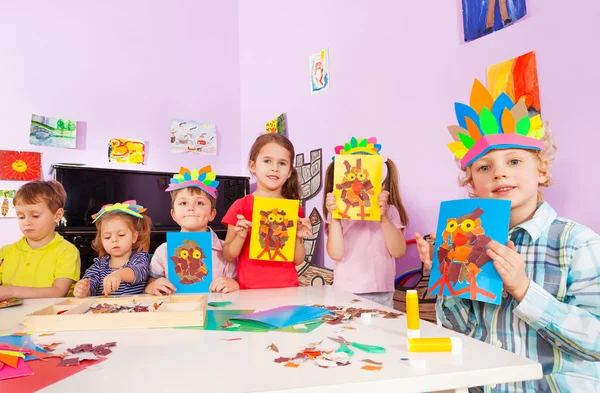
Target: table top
(177,359)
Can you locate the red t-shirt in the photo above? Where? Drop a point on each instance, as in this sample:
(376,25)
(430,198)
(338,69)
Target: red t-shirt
(253,273)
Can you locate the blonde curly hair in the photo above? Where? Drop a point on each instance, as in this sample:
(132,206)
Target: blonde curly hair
(543,157)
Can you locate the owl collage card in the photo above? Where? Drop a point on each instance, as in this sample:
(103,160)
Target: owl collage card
(274,225)
(356,186)
(189,256)
(460,264)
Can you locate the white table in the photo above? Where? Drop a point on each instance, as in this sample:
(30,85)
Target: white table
(173,360)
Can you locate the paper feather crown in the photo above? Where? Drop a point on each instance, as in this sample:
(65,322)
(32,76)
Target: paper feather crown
(488,124)
(129,207)
(203,178)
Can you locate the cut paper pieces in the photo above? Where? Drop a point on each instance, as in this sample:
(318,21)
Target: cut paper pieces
(20,165)
(371,368)
(282,317)
(219,304)
(21,369)
(461,266)
(277,125)
(273,348)
(126,151)
(518,79)
(347,314)
(319,71)
(189,256)
(188,136)
(274,225)
(482,17)
(13,301)
(309,174)
(7,208)
(50,131)
(356,186)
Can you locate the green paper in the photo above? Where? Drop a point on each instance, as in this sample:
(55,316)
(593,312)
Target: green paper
(523,126)
(353,142)
(466,140)
(219,304)
(363,143)
(488,122)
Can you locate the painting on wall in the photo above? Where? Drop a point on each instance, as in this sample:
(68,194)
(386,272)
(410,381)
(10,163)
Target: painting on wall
(7,209)
(482,17)
(319,71)
(126,151)
(20,165)
(188,136)
(54,132)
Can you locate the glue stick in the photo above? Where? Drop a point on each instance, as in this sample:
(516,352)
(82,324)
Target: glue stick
(442,344)
(412,314)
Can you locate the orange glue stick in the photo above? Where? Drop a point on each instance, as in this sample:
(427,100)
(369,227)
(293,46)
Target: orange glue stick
(442,344)
(413,326)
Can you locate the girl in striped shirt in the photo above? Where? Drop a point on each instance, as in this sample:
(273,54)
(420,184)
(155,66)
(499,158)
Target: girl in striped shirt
(122,243)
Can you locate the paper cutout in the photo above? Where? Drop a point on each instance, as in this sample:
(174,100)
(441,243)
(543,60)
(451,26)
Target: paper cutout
(500,124)
(319,71)
(126,151)
(189,257)
(282,317)
(482,17)
(188,136)
(373,362)
(347,314)
(371,368)
(232,339)
(274,226)
(9,360)
(49,131)
(273,348)
(517,78)
(368,146)
(461,266)
(219,304)
(277,125)
(357,185)
(20,165)
(203,178)
(13,301)
(19,370)
(7,208)
(129,207)
(66,362)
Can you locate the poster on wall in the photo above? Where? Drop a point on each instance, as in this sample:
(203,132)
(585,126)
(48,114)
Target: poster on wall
(54,132)
(482,17)
(319,71)
(7,209)
(126,151)
(20,165)
(195,137)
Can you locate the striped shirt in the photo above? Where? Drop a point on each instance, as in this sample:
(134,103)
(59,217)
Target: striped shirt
(139,262)
(558,321)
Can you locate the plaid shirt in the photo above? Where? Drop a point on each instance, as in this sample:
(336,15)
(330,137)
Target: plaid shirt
(558,321)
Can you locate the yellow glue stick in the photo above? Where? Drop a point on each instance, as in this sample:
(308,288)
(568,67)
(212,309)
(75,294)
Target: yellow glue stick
(412,314)
(442,344)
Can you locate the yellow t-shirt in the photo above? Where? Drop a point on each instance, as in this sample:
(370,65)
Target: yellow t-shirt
(20,265)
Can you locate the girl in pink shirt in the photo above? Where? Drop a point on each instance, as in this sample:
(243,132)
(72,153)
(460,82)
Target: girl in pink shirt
(365,252)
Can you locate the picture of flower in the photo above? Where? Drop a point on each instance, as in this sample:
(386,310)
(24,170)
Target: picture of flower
(20,165)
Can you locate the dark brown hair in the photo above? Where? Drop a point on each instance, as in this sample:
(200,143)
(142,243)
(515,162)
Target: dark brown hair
(51,192)
(390,184)
(291,187)
(193,191)
(140,225)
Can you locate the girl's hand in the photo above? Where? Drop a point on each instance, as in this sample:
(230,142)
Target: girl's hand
(425,248)
(330,202)
(112,282)
(242,226)
(159,287)
(382,201)
(82,288)
(511,268)
(224,285)
(304,228)
(6,292)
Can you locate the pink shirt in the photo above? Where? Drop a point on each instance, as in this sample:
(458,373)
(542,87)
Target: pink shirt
(158,264)
(367,265)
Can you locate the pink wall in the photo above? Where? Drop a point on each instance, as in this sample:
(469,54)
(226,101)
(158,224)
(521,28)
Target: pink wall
(125,69)
(396,69)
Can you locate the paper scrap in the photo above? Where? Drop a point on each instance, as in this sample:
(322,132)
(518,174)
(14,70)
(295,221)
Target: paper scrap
(219,304)
(372,362)
(371,368)
(293,365)
(300,326)
(273,348)
(232,339)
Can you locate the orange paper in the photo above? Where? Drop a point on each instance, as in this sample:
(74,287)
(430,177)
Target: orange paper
(371,368)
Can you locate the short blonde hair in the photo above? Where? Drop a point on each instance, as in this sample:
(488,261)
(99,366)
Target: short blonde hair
(543,157)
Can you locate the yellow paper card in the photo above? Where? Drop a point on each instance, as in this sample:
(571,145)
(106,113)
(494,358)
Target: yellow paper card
(274,225)
(356,186)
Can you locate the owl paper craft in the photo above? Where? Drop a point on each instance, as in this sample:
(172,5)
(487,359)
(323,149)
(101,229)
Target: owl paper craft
(357,185)
(274,226)
(189,262)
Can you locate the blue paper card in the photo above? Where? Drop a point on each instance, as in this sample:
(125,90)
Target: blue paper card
(284,316)
(189,257)
(461,267)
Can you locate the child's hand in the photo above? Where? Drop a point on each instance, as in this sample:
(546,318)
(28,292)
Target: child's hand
(425,248)
(160,287)
(224,285)
(382,201)
(242,226)
(82,288)
(304,228)
(330,202)
(6,292)
(510,267)
(112,282)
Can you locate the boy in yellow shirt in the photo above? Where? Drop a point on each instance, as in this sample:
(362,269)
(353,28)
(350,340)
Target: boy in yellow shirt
(42,264)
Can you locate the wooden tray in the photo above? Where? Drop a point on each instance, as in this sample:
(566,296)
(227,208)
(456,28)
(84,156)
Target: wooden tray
(179,310)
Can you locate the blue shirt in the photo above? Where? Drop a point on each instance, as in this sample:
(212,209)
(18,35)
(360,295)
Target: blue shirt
(139,262)
(558,321)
